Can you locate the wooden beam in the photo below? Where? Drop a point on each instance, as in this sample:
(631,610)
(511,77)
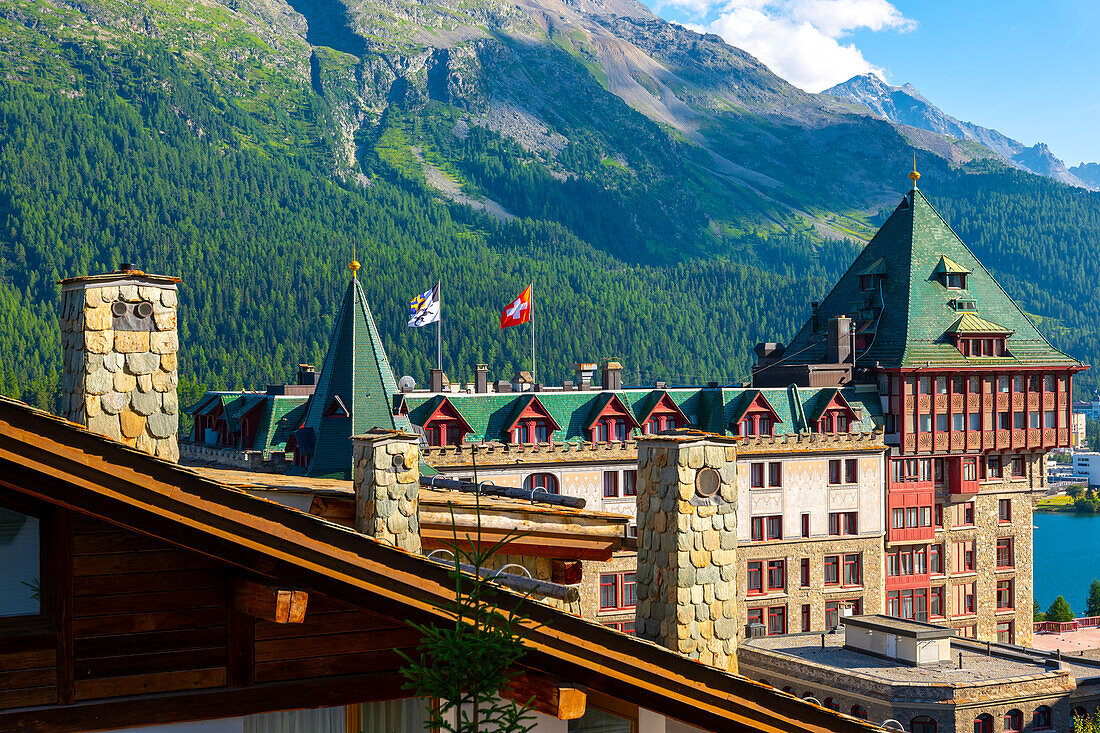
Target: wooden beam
(260,600)
(546,695)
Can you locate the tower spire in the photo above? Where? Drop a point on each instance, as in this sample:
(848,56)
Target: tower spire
(354,264)
(914,176)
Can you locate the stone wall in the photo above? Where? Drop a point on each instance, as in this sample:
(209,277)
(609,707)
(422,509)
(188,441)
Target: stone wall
(687,547)
(387,488)
(985,532)
(121,370)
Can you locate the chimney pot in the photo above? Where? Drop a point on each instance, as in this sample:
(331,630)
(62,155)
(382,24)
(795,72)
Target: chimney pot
(481,378)
(612,375)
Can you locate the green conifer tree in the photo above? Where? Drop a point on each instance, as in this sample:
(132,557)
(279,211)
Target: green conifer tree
(1092,605)
(1059,610)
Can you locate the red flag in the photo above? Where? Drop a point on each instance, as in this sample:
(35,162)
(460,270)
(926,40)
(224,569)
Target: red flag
(518,311)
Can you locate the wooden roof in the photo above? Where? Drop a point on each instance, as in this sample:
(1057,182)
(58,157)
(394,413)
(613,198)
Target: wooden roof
(59,462)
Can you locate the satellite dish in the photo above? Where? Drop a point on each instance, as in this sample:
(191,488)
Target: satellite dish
(406,384)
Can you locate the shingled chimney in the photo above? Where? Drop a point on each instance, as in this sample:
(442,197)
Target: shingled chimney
(687,546)
(119,342)
(386,477)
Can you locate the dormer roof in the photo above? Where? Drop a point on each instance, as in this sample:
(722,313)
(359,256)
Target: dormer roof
(972,323)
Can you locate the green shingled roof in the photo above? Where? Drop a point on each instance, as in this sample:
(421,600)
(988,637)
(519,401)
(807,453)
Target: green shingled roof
(970,323)
(914,244)
(357,371)
(709,409)
(948,266)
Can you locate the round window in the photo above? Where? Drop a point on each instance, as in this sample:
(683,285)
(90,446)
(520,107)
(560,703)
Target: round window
(707,482)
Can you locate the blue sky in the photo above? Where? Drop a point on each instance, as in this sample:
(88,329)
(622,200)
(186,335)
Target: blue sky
(1029,68)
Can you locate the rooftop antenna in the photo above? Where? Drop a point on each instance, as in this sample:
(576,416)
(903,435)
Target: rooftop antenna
(914,176)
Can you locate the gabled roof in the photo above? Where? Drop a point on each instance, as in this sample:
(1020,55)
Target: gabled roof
(210,402)
(440,405)
(913,243)
(830,397)
(878,267)
(528,403)
(58,462)
(971,323)
(948,266)
(649,403)
(749,398)
(357,372)
(245,405)
(605,402)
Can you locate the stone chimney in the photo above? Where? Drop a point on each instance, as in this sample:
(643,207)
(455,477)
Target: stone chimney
(611,374)
(839,340)
(119,342)
(437,381)
(687,546)
(481,378)
(387,487)
(582,374)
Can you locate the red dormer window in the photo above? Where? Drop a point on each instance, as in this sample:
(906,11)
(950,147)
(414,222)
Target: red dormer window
(986,345)
(758,417)
(664,415)
(445,425)
(610,421)
(533,424)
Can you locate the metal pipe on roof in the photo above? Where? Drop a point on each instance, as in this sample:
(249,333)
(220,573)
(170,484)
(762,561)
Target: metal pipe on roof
(535,496)
(520,583)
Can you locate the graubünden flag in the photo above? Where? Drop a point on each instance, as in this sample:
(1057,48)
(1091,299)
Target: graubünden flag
(518,311)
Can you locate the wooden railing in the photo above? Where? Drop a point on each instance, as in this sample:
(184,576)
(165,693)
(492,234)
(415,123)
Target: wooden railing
(1062,627)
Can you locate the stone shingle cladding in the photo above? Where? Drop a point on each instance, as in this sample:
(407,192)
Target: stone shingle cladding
(386,477)
(119,344)
(687,547)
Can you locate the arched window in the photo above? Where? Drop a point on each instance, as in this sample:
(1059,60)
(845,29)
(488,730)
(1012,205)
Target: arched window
(788,689)
(983,723)
(1014,721)
(922,724)
(831,704)
(1077,712)
(858,711)
(548,482)
(1041,718)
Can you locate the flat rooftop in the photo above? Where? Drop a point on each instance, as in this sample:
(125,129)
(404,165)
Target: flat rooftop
(977,668)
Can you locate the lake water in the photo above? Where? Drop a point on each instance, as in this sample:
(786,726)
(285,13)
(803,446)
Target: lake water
(1067,557)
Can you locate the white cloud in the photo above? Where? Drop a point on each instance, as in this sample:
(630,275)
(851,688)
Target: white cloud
(800,40)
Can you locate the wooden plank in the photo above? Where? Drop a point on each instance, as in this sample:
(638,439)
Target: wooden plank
(46,695)
(29,659)
(140,562)
(208,704)
(320,603)
(118,541)
(144,602)
(23,678)
(319,646)
(339,664)
(87,524)
(269,602)
(62,570)
(240,648)
(149,642)
(146,684)
(102,585)
(128,664)
(546,695)
(330,623)
(133,623)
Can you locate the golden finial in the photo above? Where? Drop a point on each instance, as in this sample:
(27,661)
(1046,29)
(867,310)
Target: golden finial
(354,264)
(914,176)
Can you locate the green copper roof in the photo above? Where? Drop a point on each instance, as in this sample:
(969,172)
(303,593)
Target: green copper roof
(357,371)
(948,266)
(970,323)
(913,306)
(878,267)
(709,409)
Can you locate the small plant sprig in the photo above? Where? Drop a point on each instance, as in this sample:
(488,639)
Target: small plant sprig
(465,665)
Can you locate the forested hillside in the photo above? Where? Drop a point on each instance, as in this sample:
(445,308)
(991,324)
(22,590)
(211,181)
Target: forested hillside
(229,176)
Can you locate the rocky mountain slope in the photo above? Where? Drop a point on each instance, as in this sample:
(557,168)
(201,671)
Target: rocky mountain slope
(904,105)
(675,199)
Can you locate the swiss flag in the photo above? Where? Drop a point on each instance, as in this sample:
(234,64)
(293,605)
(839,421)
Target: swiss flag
(518,311)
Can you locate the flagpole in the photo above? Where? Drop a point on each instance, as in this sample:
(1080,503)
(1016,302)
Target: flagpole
(439,330)
(532,317)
